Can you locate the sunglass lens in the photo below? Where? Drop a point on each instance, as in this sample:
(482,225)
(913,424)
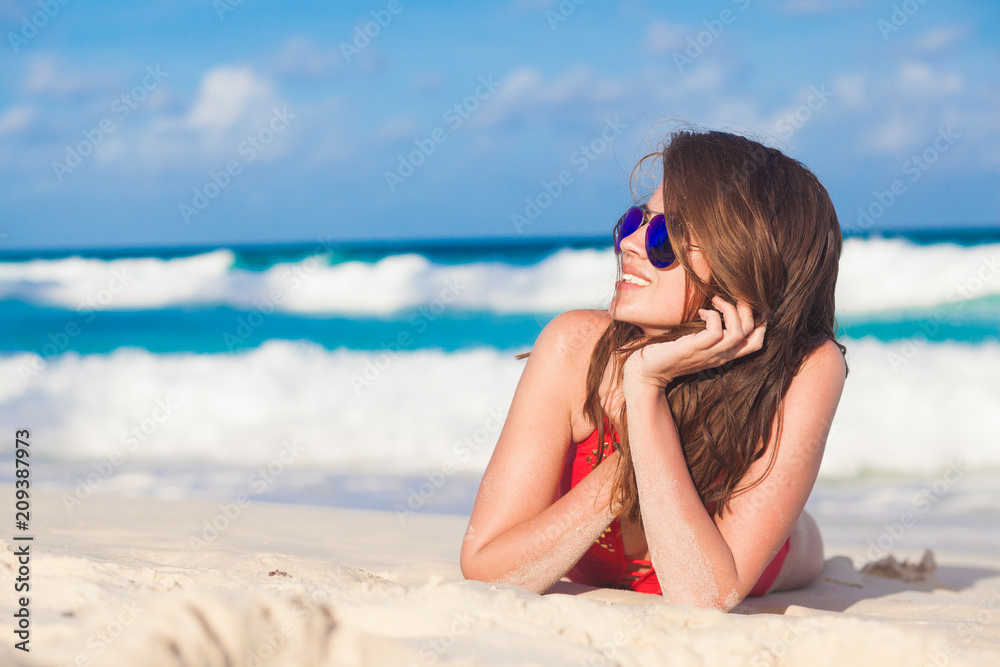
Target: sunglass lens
(658,249)
(627,226)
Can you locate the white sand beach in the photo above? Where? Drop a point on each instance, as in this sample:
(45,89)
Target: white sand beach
(122,581)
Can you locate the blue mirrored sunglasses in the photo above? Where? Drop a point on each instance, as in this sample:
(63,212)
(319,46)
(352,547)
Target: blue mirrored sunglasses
(658,249)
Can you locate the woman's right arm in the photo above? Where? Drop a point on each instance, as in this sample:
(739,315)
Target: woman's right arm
(517,534)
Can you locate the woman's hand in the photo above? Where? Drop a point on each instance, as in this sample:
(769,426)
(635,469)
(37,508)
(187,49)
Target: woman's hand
(656,365)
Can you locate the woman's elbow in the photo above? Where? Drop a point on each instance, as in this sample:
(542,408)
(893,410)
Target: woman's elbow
(467,563)
(471,563)
(724,603)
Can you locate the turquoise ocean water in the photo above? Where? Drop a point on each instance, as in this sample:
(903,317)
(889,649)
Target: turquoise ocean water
(378,375)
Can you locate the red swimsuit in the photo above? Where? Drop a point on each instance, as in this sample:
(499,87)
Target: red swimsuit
(605,563)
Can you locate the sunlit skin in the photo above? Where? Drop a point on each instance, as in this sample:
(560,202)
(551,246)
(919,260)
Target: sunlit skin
(518,535)
(654,308)
(661,303)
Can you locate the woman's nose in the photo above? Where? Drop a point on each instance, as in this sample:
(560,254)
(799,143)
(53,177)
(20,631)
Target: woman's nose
(636,242)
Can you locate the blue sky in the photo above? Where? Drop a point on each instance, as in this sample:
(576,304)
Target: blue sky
(192,123)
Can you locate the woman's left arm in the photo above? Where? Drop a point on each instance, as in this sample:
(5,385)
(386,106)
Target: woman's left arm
(699,560)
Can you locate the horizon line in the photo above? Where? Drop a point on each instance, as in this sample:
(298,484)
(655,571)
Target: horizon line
(436,243)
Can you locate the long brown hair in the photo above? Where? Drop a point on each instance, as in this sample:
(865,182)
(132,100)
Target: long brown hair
(771,237)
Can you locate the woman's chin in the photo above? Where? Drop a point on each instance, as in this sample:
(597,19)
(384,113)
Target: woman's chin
(640,322)
(622,311)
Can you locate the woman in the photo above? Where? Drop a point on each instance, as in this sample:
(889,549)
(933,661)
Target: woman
(711,381)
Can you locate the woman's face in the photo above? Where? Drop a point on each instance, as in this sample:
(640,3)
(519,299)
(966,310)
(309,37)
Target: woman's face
(656,299)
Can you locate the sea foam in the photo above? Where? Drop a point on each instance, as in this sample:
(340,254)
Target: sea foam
(876,275)
(908,407)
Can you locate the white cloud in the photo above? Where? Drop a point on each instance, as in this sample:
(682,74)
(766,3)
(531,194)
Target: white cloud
(921,80)
(708,76)
(662,37)
(16,119)
(940,38)
(46,75)
(898,133)
(850,90)
(525,92)
(232,103)
(228,95)
(904,108)
(806,111)
(741,116)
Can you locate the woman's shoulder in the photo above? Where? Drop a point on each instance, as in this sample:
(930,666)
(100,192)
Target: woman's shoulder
(571,336)
(824,370)
(561,358)
(825,358)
